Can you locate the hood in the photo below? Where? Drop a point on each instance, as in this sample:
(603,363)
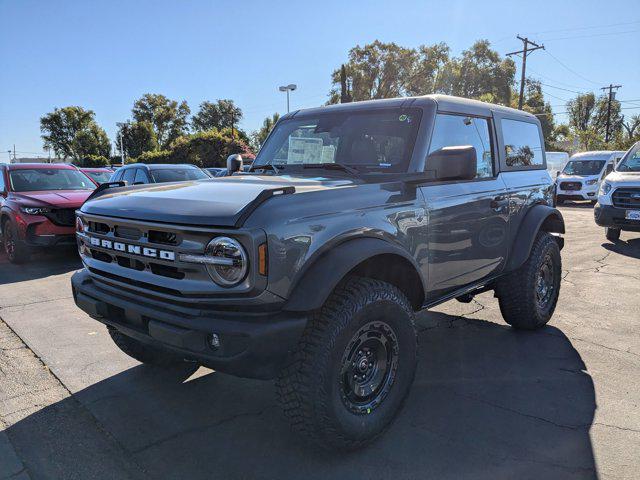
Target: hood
(631,178)
(61,199)
(577,178)
(216,202)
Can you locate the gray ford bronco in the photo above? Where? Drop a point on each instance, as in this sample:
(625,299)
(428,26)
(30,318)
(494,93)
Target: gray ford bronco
(310,268)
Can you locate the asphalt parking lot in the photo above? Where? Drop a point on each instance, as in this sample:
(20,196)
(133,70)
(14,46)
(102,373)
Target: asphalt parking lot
(488,402)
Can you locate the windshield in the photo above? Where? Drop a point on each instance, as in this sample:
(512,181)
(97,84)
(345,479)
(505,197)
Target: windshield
(43,179)
(631,161)
(164,175)
(374,140)
(583,167)
(100,177)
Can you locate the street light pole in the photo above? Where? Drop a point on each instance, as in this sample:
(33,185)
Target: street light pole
(288,88)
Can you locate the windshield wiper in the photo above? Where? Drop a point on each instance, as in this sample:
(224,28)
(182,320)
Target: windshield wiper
(333,166)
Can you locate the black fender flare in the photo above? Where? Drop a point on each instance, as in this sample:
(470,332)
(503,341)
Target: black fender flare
(327,270)
(539,217)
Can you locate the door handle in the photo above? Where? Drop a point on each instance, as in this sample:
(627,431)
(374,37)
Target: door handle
(499,202)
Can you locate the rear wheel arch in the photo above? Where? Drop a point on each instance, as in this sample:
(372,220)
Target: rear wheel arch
(540,218)
(364,257)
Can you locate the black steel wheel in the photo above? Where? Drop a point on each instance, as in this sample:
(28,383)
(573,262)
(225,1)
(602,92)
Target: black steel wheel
(369,366)
(353,367)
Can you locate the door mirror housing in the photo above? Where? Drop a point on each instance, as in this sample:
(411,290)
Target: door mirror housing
(453,163)
(234,164)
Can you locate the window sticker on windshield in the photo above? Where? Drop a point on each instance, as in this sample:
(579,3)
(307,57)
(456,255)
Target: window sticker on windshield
(304,150)
(328,154)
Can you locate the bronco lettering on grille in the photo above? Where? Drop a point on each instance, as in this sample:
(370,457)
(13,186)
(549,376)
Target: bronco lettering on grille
(133,249)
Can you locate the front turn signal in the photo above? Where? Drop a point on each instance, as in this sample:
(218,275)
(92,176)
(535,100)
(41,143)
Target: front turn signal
(262,259)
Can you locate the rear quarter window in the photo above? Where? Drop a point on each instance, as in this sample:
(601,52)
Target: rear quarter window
(523,148)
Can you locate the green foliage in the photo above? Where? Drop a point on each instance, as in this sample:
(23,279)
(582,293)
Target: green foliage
(204,149)
(137,138)
(258,137)
(92,161)
(588,121)
(386,70)
(156,156)
(216,115)
(168,117)
(71,132)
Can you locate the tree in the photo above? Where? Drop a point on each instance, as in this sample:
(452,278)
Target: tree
(377,70)
(72,133)
(258,137)
(218,115)
(168,117)
(137,138)
(386,70)
(588,120)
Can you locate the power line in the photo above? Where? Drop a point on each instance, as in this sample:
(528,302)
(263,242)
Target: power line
(591,36)
(585,28)
(570,69)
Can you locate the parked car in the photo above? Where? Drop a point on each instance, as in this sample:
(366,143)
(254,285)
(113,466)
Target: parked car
(216,171)
(37,206)
(98,175)
(312,271)
(618,207)
(140,173)
(581,176)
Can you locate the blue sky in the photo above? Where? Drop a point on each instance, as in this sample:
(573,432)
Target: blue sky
(103,55)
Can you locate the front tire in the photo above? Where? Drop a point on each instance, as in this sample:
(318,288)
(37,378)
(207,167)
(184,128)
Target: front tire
(16,250)
(612,234)
(149,354)
(528,296)
(353,367)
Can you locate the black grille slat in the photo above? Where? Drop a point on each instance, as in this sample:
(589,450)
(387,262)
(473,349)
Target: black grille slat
(624,198)
(64,217)
(570,186)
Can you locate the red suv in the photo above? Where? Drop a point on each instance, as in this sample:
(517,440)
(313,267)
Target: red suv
(38,204)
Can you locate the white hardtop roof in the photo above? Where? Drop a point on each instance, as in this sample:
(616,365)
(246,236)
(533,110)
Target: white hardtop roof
(596,155)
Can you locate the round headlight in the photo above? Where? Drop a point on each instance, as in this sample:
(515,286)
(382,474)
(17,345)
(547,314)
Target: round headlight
(229,261)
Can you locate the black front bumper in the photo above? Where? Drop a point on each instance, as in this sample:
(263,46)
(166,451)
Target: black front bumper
(252,344)
(613,217)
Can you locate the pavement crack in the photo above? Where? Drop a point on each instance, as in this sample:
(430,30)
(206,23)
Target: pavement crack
(617,427)
(4,307)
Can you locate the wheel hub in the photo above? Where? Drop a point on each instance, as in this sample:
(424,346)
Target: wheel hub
(369,366)
(544,282)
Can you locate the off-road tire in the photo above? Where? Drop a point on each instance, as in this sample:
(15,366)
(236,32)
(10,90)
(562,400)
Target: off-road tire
(149,354)
(310,388)
(612,234)
(517,293)
(19,252)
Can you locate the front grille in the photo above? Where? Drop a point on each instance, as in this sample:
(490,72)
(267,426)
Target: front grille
(626,198)
(64,217)
(570,186)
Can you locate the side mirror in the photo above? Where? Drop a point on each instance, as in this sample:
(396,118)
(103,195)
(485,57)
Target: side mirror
(453,163)
(234,164)
(557,173)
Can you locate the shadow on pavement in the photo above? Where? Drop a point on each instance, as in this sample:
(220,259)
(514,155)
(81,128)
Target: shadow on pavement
(628,248)
(488,402)
(40,265)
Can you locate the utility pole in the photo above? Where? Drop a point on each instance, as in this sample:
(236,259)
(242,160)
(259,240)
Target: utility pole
(525,51)
(233,132)
(612,96)
(14,153)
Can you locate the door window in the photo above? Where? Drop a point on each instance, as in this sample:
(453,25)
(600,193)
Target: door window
(141,176)
(522,144)
(2,187)
(460,131)
(129,175)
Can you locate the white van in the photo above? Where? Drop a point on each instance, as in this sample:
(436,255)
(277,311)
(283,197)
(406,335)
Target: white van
(556,162)
(581,177)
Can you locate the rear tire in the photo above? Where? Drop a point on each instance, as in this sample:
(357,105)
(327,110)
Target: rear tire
(16,250)
(612,234)
(528,296)
(150,355)
(353,366)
